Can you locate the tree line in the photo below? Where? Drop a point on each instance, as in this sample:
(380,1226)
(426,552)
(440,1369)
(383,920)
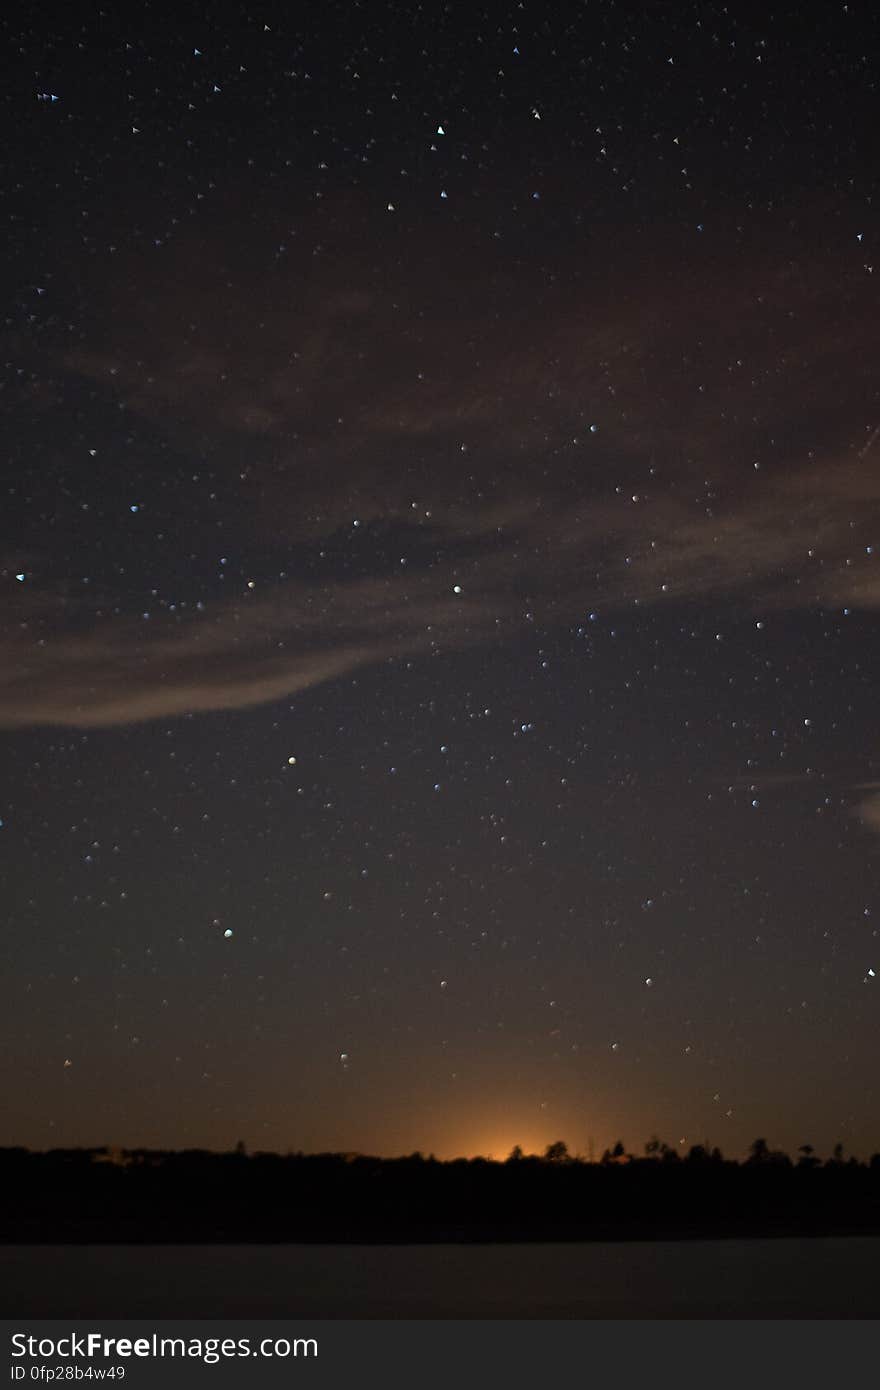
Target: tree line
(138,1195)
(759,1153)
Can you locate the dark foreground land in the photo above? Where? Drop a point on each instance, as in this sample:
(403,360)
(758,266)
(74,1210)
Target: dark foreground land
(93,1196)
(803,1279)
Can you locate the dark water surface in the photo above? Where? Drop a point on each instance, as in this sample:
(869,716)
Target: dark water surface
(819,1278)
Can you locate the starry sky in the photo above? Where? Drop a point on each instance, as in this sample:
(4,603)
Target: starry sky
(439,575)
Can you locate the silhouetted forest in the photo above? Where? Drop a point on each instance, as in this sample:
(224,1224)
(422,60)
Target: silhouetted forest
(142,1195)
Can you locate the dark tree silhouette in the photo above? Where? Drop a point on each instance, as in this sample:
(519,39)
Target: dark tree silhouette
(557,1152)
(616,1154)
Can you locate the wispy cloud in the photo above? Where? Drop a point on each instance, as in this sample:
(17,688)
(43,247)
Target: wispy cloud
(118,670)
(868,808)
(639,435)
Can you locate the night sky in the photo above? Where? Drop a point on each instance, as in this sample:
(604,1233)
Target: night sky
(440,573)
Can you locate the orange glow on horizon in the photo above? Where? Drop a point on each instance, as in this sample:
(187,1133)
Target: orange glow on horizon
(497,1145)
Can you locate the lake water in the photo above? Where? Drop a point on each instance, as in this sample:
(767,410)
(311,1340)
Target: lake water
(687,1279)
